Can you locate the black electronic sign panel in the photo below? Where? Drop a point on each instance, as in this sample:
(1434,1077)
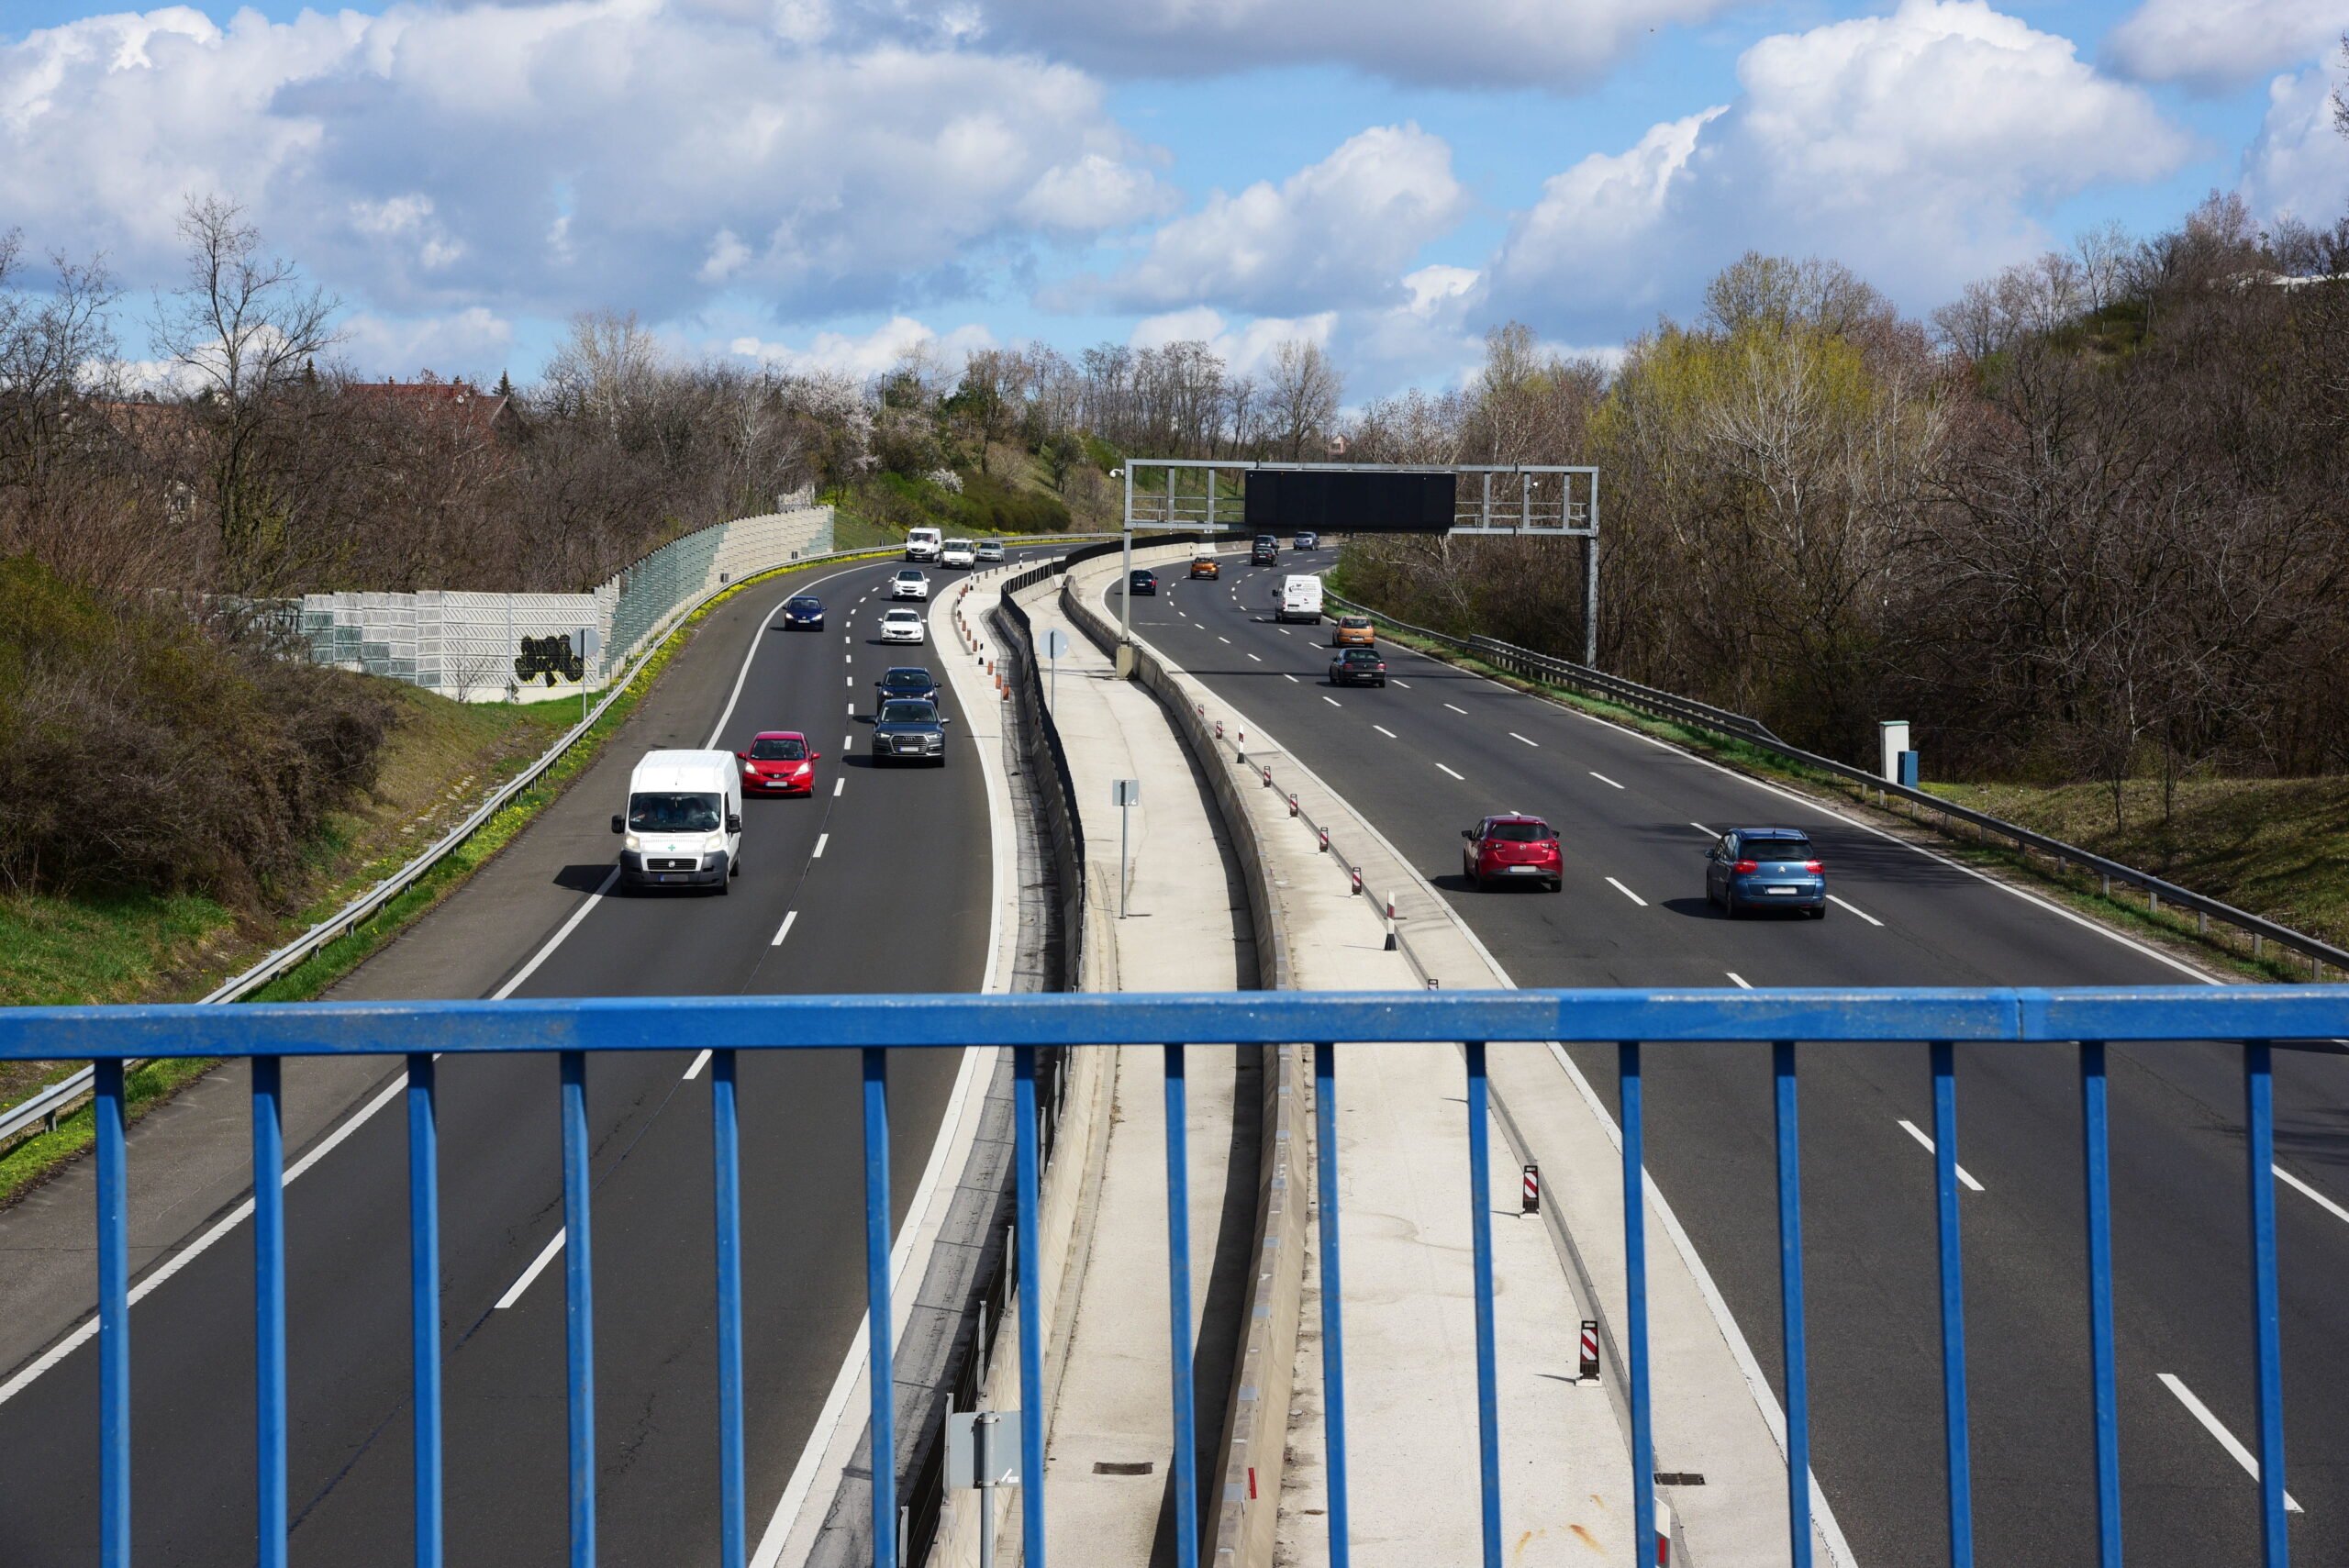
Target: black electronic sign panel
(1282,500)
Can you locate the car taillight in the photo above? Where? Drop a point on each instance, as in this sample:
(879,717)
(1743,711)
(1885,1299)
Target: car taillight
(1814,866)
(1742,866)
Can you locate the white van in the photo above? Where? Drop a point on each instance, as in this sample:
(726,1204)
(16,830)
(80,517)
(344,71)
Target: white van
(1300,600)
(957,553)
(922,544)
(682,827)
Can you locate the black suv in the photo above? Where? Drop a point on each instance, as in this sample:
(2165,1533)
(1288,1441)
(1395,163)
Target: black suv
(1267,551)
(906,681)
(909,731)
(1357,667)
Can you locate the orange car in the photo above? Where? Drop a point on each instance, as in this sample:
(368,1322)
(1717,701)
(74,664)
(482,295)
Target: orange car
(1206,566)
(1353,631)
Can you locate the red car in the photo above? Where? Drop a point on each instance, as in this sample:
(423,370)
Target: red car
(779,762)
(1512,849)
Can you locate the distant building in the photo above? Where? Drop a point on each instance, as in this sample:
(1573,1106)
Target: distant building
(490,413)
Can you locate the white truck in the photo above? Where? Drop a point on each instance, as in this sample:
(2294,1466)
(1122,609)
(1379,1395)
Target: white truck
(922,544)
(682,827)
(1300,600)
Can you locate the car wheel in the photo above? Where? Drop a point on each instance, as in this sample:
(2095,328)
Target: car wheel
(1729,904)
(1382,683)
(1557,885)
(1820,912)
(726,885)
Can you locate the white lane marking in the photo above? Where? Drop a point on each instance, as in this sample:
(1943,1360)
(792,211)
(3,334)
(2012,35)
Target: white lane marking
(2212,1425)
(1405,684)
(1462,777)
(1861,913)
(839,784)
(1258,661)
(1913,1130)
(1285,632)
(1225,640)
(1742,984)
(2309,1192)
(1292,679)
(1708,832)
(847,742)
(700,1063)
(821,840)
(514,1292)
(784,929)
(1602,778)
(848,658)
(1334,702)
(751,655)
(1384,730)
(1515,736)
(851,710)
(556,941)
(1627,893)
(848,681)
(1455,707)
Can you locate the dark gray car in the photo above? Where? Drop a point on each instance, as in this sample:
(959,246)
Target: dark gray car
(909,731)
(906,681)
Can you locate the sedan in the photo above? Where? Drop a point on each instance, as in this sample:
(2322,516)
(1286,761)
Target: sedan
(1512,849)
(1143,583)
(1357,667)
(908,681)
(1766,868)
(778,762)
(901,625)
(909,731)
(910,584)
(1308,540)
(990,550)
(803,612)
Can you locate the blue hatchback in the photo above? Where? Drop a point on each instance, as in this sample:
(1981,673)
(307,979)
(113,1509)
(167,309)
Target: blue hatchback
(805,612)
(1766,868)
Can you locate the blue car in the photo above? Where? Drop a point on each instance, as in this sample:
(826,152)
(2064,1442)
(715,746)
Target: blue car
(906,682)
(1766,868)
(804,612)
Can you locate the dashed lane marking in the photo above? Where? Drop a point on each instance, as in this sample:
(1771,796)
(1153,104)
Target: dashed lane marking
(821,840)
(1602,778)
(1384,730)
(1455,707)
(1462,777)
(784,929)
(1861,913)
(1742,983)
(1292,679)
(838,785)
(1913,1130)
(1258,661)
(1627,893)
(1334,702)
(700,1063)
(1515,736)
(2227,1440)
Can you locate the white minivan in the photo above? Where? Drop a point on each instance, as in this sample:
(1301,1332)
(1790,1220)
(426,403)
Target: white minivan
(682,827)
(1300,600)
(922,544)
(957,553)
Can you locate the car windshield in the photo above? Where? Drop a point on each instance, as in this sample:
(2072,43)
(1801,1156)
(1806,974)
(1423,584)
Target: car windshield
(773,749)
(660,812)
(907,711)
(1521,832)
(958,544)
(1775,849)
(918,678)
(1354,623)
(909,576)
(805,603)
(902,614)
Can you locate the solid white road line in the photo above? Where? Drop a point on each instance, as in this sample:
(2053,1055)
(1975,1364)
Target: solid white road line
(784,929)
(2309,1192)
(514,1292)
(1515,736)
(1602,778)
(555,941)
(1627,893)
(1292,679)
(2212,1425)
(1462,777)
(1742,983)
(700,1063)
(821,840)
(1455,707)
(1384,730)
(1861,913)
(1913,1130)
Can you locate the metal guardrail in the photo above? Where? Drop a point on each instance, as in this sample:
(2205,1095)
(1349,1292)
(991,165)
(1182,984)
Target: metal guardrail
(46,1106)
(1527,664)
(2081,1022)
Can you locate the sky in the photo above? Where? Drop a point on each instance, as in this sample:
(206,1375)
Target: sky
(827,183)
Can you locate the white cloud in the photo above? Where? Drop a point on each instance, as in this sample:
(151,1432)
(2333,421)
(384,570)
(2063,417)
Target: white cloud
(873,353)
(1334,233)
(1547,44)
(2213,46)
(1917,148)
(2299,167)
(1246,349)
(472,342)
(577,152)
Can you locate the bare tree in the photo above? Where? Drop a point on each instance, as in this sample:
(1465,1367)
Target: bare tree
(1301,395)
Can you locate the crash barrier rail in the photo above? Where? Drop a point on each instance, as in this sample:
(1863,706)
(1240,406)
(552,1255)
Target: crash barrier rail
(1527,664)
(1046,766)
(44,1108)
(2081,1021)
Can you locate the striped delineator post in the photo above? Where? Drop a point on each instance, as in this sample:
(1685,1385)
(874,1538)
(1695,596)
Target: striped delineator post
(1588,1370)
(1531,1203)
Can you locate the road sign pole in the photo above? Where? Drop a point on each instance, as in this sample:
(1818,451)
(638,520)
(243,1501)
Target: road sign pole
(1128,793)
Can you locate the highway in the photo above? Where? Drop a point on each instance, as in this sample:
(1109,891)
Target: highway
(1438,748)
(880,882)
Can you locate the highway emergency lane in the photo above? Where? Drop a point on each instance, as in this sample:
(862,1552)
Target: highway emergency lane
(897,901)
(1438,749)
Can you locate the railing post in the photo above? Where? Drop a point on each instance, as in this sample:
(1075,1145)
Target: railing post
(880,1320)
(725,1141)
(1480,1234)
(1031,1311)
(1178,1306)
(2096,1171)
(1797,1377)
(107,1114)
(2267,1312)
(1953,1258)
(1635,1298)
(269,1311)
(1333,1354)
(424,1300)
(579,1309)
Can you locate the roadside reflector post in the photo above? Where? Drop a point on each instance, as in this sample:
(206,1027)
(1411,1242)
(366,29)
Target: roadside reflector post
(1325,841)
(1292,803)
(1355,872)
(1530,1201)
(1590,1347)
(1391,944)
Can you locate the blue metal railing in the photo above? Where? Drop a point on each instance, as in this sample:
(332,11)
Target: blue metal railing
(2084,1020)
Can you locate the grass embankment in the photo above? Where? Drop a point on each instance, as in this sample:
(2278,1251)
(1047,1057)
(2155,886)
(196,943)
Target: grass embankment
(2276,847)
(145,948)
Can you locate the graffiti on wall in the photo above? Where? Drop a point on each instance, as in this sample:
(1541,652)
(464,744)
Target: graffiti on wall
(552,657)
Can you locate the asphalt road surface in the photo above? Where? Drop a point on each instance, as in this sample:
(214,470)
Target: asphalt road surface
(1438,748)
(883,879)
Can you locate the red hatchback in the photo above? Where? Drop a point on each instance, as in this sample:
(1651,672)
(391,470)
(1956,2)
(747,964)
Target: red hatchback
(779,762)
(1512,849)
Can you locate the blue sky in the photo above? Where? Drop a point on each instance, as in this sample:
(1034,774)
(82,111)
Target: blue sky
(826,182)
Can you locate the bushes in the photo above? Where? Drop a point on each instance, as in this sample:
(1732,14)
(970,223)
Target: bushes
(140,749)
